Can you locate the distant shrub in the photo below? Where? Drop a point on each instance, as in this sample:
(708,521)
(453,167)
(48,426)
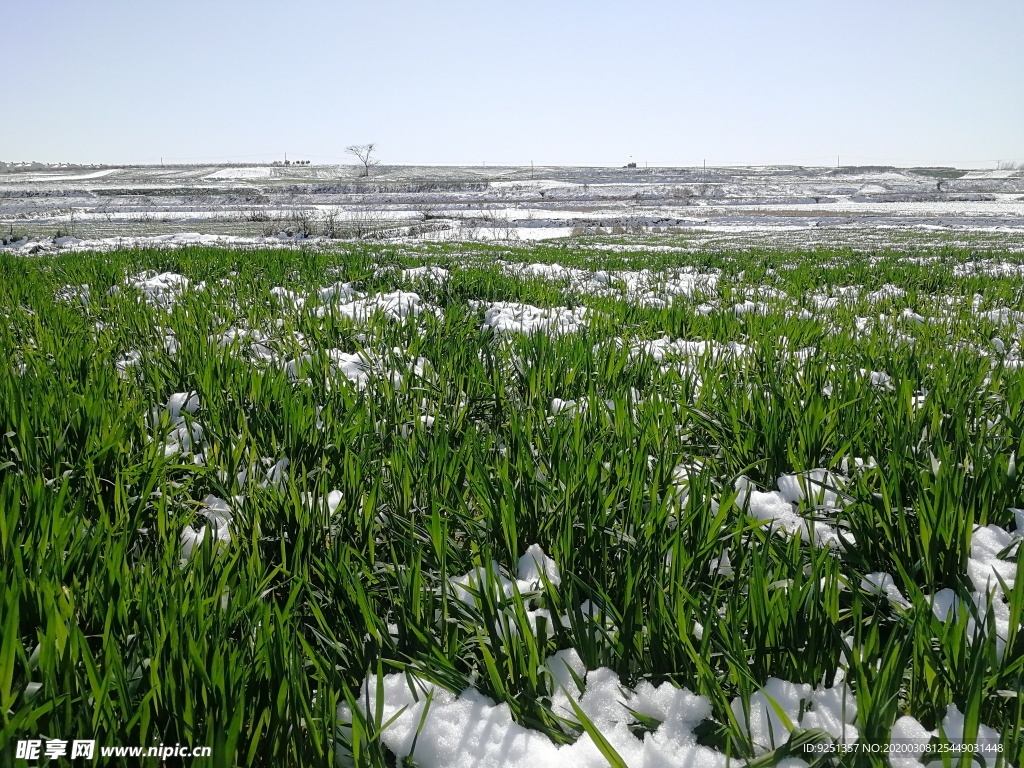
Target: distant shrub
(11,236)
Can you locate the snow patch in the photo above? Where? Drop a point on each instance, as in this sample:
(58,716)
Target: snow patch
(511,317)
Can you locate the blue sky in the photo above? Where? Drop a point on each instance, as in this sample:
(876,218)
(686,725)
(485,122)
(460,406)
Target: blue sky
(574,83)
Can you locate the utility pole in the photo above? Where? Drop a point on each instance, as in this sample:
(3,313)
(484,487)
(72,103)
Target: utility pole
(531,169)
(837,162)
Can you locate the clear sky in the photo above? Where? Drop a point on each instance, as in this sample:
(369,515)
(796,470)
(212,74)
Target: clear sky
(556,82)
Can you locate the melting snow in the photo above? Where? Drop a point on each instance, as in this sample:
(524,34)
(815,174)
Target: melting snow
(425,274)
(161,290)
(471,731)
(218,515)
(831,709)
(185,432)
(71,294)
(883,584)
(779,508)
(395,305)
(531,566)
(512,317)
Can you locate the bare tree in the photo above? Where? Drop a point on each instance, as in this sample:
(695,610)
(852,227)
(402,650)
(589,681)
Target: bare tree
(364,153)
(301,220)
(363,222)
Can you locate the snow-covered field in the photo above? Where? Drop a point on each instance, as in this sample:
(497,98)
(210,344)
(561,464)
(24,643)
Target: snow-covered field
(787,206)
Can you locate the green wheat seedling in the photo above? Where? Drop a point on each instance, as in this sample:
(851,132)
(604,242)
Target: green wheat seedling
(251,643)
